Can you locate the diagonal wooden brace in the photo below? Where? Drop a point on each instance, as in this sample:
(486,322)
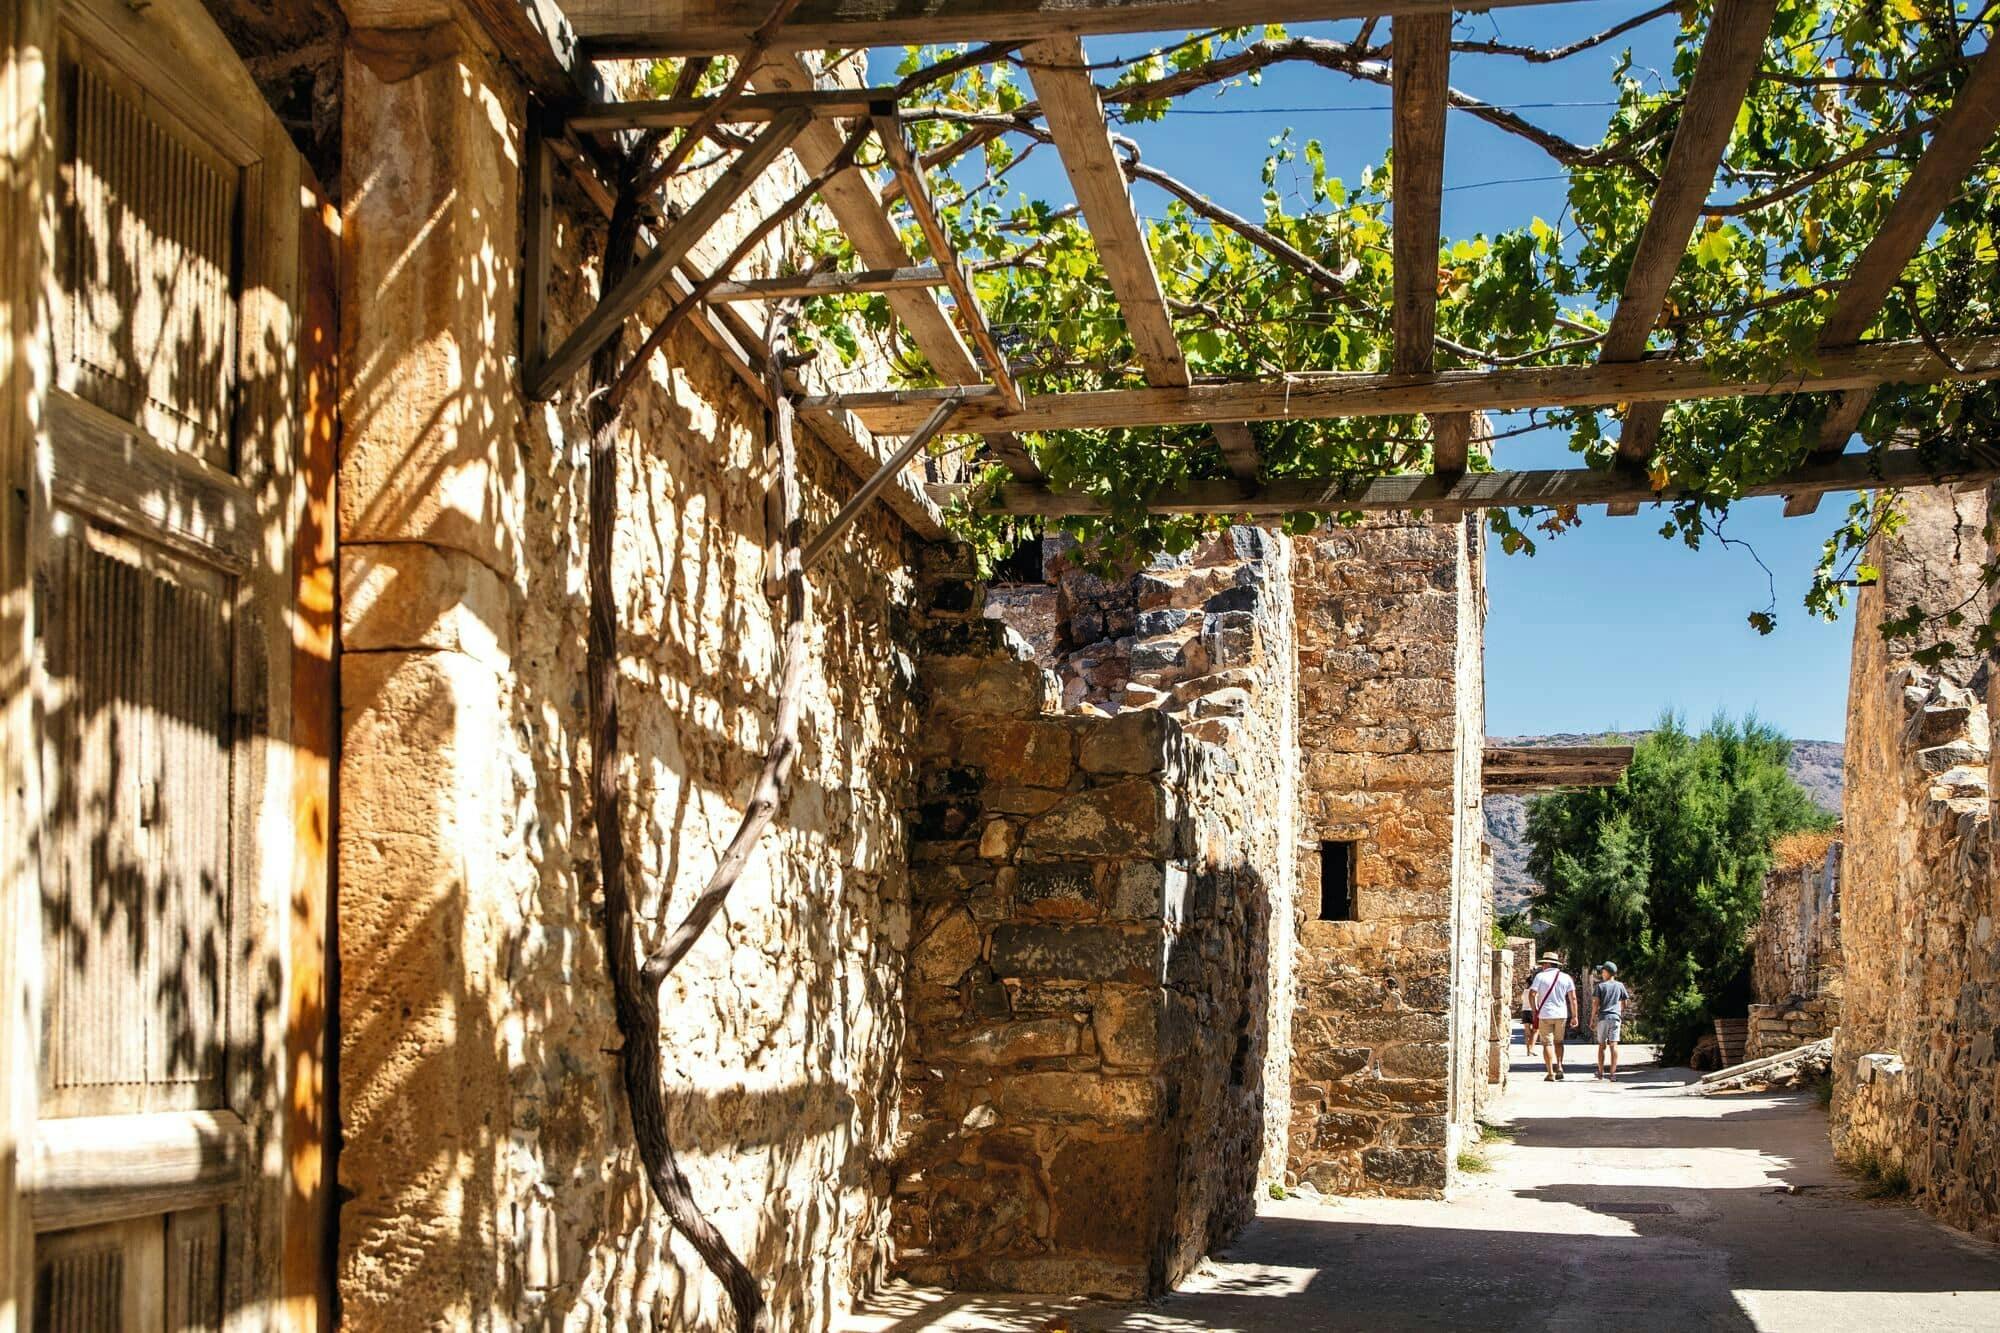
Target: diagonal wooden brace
(618,305)
(885,474)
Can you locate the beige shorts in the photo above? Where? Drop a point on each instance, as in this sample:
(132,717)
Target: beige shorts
(1550,1033)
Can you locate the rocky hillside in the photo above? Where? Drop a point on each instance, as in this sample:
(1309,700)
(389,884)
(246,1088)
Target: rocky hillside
(1816,765)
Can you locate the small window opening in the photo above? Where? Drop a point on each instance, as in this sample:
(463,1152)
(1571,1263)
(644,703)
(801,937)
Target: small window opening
(1336,880)
(1024,564)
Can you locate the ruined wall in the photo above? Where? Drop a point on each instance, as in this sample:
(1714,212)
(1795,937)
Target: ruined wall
(1796,970)
(1916,1077)
(1388,616)
(486,1168)
(1206,636)
(1083,1101)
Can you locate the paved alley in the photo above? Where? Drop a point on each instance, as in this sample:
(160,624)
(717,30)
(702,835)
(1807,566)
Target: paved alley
(1613,1207)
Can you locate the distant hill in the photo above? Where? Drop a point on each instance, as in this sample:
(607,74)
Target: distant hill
(1815,765)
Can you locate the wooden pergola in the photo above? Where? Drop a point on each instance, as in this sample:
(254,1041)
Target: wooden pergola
(774,106)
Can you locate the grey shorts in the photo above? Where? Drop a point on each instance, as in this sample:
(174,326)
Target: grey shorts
(1608,1029)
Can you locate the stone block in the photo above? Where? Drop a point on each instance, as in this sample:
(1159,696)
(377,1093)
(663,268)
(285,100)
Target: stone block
(1404,1168)
(1127,1026)
(1150,624)
(1018,752)
(1345,1129)
(947,951)
(1150,891)
(410,595)
(1111,1196)
(1128,743)
(1088,1097)
(1062,889)
(1158,654)
(1007,1043)
(1078,953)
(1123,819)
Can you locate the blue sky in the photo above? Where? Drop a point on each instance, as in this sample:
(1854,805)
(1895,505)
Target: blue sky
(1609,624)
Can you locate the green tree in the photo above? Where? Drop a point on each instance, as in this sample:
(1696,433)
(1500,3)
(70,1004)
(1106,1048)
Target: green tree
(1664,872)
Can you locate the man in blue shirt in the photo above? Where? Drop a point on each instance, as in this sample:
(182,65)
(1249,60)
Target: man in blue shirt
(1607,1015)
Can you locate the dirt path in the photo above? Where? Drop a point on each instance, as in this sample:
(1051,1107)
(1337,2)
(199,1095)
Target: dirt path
(1615,1208)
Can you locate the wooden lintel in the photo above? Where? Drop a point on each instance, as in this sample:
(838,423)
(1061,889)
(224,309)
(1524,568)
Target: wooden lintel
(1310,396)
(1728,61)
(744,109)
(622,29)
(1449,496)
(830,284)
(646,277)
(1540,758)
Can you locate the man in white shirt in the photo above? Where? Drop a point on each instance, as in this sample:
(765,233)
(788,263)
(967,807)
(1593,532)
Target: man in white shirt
(1551,1012)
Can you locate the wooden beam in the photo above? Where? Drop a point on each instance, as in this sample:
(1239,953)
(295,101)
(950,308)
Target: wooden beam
(1449,496)
(1420,77)
(754,108)
(1728,61)
(618,305)
(1966,132)
(857,208)
(1075,116)
(536,37)
(892,467)
(538,241)
(889,131)
(1541,758)
(830,284)
(651,28)
(1310,396)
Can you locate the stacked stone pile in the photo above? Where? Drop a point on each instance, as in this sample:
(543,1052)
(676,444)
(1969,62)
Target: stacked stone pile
(1792,1023)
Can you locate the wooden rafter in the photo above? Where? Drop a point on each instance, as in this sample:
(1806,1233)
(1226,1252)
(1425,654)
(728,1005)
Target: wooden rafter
(1321,395)
(1076,118)
(1967,130)
(889,130)
(646,277)
(750,109)
(918,278)
(652,28)
(1728,61)
(1448,496)
(1420,76)
(858,209)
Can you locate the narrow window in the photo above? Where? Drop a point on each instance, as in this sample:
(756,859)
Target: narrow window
(1336,881)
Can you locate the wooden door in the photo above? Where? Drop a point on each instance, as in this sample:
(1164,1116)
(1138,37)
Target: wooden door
(160,545)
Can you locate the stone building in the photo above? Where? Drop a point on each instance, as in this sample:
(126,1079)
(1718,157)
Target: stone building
(1045,968)
(1916,1073)
(1797,973)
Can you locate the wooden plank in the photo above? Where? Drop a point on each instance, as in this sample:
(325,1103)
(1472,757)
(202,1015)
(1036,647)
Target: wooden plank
(88,1169)
(889,132)
(745,109)
(1967,129)
(1449,496)
(1495,757)
(916,278)
(1728,61)
(618,305)
(536,38)
(628,28)
(1420,77)
(1075,116)
(852,199)
(1309,396)
(307,1278)
(538,241)
(892,467)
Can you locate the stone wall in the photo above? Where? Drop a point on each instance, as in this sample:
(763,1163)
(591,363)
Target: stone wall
(1796,970)
(1388,1040)
(1090,989)
(1916,1077)
(486,1168)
